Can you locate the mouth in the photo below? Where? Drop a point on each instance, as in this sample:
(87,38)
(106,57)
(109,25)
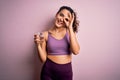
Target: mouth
(60,22)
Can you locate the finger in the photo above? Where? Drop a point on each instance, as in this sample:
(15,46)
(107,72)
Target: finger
(66,22)
(73,16)
(35,35)
(37,40)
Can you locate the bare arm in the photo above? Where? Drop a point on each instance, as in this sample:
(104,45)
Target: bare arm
(41,47)
(74,45)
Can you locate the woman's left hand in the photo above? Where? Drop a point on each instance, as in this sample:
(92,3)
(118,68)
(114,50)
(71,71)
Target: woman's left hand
(69,23)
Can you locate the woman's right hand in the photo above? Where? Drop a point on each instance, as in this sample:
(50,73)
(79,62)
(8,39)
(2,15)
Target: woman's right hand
(38,38)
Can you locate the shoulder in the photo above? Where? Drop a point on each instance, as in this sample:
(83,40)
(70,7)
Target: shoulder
(45,33)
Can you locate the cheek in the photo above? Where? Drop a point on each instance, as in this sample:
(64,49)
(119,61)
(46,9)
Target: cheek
(56,18)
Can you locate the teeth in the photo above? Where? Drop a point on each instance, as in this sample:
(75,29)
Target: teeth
(59,22)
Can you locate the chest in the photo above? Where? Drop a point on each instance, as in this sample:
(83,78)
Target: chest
(62,43)
(58,36)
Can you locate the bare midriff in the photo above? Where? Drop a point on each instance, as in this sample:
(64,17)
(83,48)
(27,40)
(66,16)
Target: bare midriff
(60,59)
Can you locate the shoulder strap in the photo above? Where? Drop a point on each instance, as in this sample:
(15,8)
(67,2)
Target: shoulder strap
(67,34)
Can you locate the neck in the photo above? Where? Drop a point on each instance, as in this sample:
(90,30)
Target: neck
(57,29)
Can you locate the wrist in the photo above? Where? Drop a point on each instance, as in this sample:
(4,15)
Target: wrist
(37,44)
(70,28)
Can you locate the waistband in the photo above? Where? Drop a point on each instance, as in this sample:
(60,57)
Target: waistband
(54,63)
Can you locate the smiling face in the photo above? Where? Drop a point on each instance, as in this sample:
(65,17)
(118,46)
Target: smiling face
(61,16)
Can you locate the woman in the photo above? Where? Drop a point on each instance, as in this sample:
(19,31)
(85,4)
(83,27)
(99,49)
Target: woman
(57,46)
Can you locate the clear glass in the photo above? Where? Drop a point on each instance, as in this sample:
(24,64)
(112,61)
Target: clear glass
(41,35)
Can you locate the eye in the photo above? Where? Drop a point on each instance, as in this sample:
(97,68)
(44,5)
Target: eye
(61,14)
(66,19)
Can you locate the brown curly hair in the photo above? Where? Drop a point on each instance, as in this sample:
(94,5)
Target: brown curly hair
(75,22)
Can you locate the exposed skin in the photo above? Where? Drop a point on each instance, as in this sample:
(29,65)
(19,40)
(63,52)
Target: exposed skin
(63,22)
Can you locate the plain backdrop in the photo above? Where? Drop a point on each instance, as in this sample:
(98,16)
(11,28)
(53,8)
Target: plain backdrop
(99,38)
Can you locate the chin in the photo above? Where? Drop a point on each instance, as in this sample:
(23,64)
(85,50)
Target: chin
(57,25)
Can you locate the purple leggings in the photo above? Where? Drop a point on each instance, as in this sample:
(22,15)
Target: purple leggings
(54,71)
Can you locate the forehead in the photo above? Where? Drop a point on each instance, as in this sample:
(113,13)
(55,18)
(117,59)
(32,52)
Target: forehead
(65,12)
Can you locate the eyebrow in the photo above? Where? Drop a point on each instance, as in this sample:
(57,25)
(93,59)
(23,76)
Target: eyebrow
(67,14)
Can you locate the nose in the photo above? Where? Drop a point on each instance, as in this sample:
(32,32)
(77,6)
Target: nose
(61,19)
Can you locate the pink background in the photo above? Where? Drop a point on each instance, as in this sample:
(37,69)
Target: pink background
(99,37)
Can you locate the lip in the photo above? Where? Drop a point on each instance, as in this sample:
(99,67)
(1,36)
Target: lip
(60,22)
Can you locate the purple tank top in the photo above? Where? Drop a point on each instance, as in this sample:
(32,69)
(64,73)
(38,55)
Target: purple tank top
(58,47)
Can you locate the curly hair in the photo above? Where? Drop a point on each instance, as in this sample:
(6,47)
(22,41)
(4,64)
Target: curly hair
(75,22)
